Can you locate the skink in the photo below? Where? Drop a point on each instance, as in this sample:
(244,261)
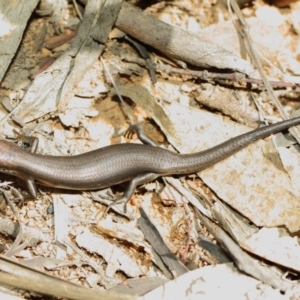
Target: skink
(111,165)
